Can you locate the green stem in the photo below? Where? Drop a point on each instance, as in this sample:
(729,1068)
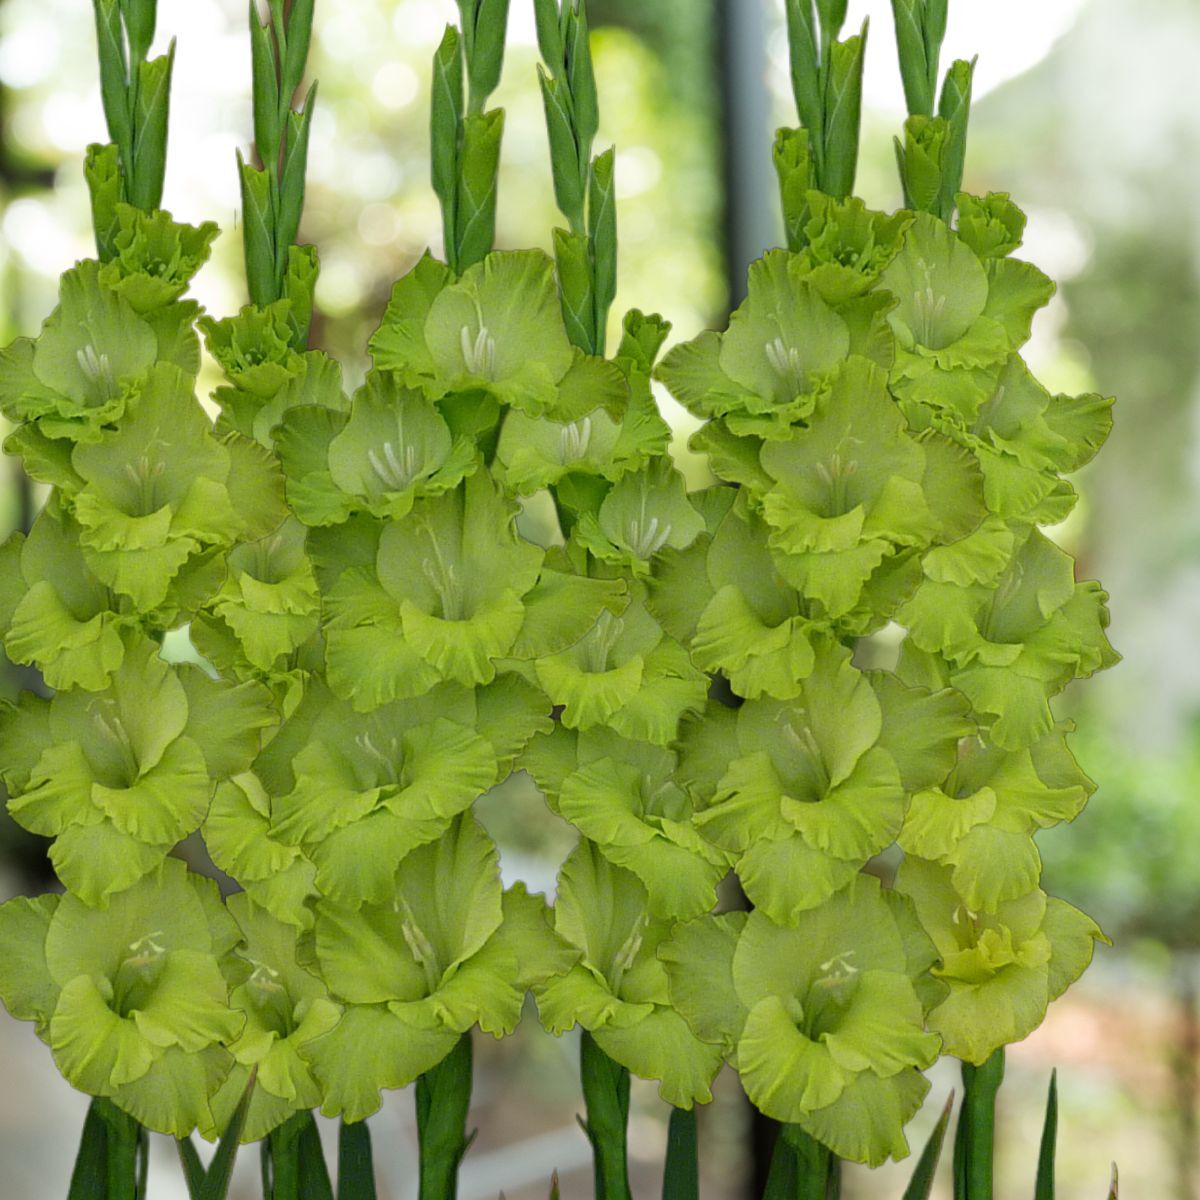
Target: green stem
(802,1168)
(443,1099)
(606,1097)
(978,1124)
(123,1137)
(681,1177)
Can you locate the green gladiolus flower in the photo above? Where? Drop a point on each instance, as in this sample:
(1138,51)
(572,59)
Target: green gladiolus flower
(736,612)
(276,875)
(155,257)
(311,381)
(119,776)
(254,349)
(1003,967)
(618,988)
(643,514)
(980,822)
(73,379)
(497,330)
(803,792)
(356,793)
(154,491)
(991,225)
(780,343)
(1023,437)
(824,1021)
(394,447)
(287,1008)
(848,246)
(625,673)
(854,489)
(954,310)
(57,614)
(622,796)
(1012,643)
(535,454)
(452,593)
(269,600)
(446,950)
(130,998)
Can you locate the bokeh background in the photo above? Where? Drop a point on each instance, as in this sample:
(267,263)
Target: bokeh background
(1088,111)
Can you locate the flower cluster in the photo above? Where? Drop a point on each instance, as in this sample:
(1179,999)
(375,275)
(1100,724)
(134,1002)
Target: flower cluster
(843,654)
(892,459)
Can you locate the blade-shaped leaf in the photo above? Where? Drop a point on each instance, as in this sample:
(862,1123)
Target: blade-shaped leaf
(89,1179)
(193,1168)
(150,130)
(291,182)
(258,233)
(1044,1189)
(602,230)
(299,34)
(220,1170)
(920,1187)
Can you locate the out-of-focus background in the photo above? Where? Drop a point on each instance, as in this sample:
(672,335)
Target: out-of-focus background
(1088,111)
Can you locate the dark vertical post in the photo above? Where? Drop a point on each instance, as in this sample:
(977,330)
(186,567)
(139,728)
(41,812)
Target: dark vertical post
(750,224)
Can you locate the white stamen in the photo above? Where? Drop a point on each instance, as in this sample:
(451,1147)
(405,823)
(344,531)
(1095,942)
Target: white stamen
(479,356)
(646,541)
(573,440)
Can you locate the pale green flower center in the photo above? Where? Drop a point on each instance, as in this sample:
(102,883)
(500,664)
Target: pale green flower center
(835,475)
(573,440)
(421,948)
(388,761)
(928,307)
(145,474)
(97,370)
(624,960)
(645,536)
(785,362)
(446,581)
(600,641)
(108,721)
(395,471)
(479,352)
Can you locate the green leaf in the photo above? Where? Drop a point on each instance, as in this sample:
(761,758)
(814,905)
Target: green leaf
(566,166)
(258,234)
(217,1178)
(447,113)
(1044,1185)
(602,233)
(920,1186)
(144,182)
(114,76)
(843,107)
(291,182)
(479,166)
(89,1178)
(102,171)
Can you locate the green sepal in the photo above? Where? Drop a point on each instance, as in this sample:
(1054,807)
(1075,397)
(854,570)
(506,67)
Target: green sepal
(102,170)
(258,233)
(479,167)
(446,118)
(144,183)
